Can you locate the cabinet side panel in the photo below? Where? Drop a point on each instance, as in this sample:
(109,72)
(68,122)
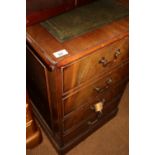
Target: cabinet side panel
(36,84)
(55,86)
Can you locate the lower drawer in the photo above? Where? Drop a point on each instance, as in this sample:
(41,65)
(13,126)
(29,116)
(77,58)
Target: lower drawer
(90,125)
(76,118)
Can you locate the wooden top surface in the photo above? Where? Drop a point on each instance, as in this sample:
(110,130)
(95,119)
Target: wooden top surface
(45,44)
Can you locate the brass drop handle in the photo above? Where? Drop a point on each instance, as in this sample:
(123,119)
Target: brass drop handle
(109,81)
(102,90)
(117,53)
(92,122)
(105,62)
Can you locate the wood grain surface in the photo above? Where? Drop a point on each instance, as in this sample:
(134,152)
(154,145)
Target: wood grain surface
(50,80)
(45,44)
(111,139)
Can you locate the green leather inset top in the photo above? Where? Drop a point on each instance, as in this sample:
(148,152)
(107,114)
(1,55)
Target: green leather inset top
(84,19)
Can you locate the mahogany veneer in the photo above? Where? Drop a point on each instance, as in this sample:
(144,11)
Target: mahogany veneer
(65,90)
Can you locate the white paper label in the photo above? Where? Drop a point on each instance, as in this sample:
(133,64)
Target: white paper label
(60,53)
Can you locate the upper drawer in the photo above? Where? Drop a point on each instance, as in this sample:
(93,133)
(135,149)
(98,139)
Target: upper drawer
(95,64)
(89,93)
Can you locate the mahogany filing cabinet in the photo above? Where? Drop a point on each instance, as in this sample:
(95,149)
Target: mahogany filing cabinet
(75,85)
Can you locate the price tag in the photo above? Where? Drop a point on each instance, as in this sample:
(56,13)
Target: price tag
(60,53)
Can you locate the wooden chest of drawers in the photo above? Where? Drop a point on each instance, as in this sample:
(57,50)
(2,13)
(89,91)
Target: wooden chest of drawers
(75,94)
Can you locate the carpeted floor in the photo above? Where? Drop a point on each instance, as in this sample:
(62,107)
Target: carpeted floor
(111,139)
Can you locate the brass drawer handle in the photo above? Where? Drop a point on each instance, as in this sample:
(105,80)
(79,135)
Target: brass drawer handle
(109,81)
(105,62)
(102,90)
(92,122)
(117,53)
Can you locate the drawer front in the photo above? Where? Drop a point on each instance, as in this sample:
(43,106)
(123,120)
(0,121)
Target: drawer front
(93,120)
(90,93)
(95,64)
(83,131)
(75,118)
